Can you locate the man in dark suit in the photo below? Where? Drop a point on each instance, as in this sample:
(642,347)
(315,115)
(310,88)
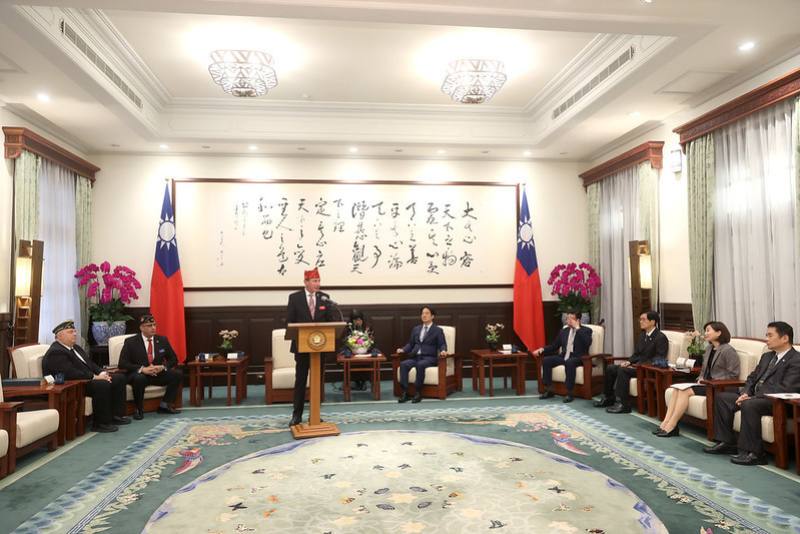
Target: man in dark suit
(149,360)
(106,390)
(306,306)
(425,346)
(652,344)
(571,343)
(778,371)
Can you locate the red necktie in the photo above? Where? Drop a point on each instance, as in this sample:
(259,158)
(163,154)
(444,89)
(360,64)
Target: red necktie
(150,351)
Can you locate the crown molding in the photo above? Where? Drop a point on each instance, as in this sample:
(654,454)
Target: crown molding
(46,127)
(125,55)
(624,140)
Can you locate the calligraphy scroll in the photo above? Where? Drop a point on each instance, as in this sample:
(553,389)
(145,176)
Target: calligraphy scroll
(236,233)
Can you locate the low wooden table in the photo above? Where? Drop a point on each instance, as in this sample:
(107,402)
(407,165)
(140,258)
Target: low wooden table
(362,363)
(231,369)
(480,357)
(655,381)
(67,398)
(795,404)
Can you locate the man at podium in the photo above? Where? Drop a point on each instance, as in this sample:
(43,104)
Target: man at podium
(306,306)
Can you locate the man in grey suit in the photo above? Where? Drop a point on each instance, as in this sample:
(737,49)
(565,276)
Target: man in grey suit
(425,346)
(778,371)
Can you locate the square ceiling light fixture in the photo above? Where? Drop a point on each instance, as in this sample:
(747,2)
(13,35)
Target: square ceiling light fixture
(474,81)
(244,73)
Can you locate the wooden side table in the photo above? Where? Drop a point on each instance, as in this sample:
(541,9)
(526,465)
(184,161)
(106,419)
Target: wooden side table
(67,398)
(235,372)
(655,381)
(481,357)
(363,363)
(795,404)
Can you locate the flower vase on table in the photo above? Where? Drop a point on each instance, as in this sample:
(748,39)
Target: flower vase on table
(107,292)
(227,342)
(493,335)
(359,343)
(575,285)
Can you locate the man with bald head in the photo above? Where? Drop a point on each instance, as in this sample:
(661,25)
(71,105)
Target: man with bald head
(106,390)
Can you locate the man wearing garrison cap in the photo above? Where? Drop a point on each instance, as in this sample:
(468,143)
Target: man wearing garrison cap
(149,360)
(106,390)
(305,306)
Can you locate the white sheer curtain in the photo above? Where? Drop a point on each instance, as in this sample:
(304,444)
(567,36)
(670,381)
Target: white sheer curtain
(619,200)
(57,229)
(756,271)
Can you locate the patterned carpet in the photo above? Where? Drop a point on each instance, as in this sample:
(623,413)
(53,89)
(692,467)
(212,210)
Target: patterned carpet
(498,468)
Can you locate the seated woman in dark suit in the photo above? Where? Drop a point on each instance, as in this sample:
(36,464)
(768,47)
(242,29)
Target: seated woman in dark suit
(357,323)
(720,362)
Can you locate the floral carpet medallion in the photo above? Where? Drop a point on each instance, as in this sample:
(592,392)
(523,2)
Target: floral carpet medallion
(408,482)
(454,469)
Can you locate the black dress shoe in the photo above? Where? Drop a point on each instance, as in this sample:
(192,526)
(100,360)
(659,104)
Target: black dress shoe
(619,408)
(404,398)
(672,433)
(104,428)
(568,398)
(417,398)
(604,402)
(295,421)
(120,420)
(138,414)
(547,395)
(169,410)
(658,430)
(721,448)
(750,458)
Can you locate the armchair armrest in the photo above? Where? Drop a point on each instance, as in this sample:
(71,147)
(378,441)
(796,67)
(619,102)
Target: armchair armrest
(722,384)
(10,406)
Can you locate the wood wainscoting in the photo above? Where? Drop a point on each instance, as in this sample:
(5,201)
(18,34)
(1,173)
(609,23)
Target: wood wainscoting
(392,324)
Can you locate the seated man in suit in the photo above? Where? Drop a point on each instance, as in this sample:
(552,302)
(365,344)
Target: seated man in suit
(652,344)
(106,390)
(149,360)
(426,344)
(778,371)
(567,348)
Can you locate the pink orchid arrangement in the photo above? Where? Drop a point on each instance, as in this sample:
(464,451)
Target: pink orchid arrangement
(575,285)
(110,290)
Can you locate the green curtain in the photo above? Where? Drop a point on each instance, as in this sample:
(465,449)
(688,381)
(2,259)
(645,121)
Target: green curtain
(83,239)
(700,189)
(593,207)
(26,196)
(648,219)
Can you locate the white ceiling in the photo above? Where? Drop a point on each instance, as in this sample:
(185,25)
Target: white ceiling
(368,73)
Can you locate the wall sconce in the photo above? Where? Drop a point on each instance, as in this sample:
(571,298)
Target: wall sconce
(676,160)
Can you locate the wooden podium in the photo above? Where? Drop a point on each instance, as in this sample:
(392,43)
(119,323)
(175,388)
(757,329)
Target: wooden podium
(314,338)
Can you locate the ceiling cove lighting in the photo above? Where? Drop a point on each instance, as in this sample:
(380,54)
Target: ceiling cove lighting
(243,73)
(473,81)
(747,46)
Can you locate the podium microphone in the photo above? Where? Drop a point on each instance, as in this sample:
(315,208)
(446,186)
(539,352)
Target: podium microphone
(326,298)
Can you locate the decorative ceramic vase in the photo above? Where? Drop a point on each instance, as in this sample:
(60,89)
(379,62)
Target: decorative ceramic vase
(493,346)
(102,330)
(360,350)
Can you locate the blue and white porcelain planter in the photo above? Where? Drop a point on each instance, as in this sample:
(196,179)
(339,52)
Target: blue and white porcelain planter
(102,330)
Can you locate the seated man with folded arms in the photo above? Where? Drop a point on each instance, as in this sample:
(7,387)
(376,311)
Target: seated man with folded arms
(652,344)
(149,360)
(720,362)
(425,346)
(567,348)
(106,390)
(778,371)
